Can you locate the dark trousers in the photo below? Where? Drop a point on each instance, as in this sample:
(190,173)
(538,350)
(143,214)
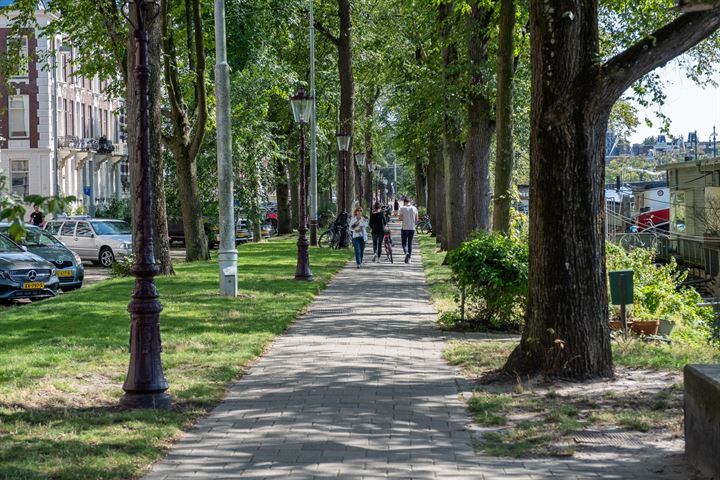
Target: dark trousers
(407,238)
(377,243)
(359,244)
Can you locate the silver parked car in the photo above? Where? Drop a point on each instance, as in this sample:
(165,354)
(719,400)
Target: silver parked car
(98,240)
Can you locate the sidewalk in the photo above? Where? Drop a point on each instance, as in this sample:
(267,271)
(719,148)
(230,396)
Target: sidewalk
(356,388)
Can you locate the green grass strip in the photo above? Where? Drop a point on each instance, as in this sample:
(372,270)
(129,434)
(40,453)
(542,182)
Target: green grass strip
(63,361)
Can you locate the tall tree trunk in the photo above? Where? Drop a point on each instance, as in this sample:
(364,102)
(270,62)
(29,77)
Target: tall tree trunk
(283,201)
(347,96)
(504,107)
(420,183)
(438,217)
(196,242)
(567,331)
(480,126)
(454,175)
(187,130)
(369,153)
(161,241)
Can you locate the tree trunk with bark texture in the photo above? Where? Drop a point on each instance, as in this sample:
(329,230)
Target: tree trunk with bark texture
(369,153)
(161,239)
(567,331)
(504,107)
(282,194)
(481,127)
(421,183)
(454,175)
(347,99)
(187,131)
(438,216)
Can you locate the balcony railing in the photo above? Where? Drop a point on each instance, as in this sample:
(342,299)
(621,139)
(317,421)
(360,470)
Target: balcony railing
(99,145)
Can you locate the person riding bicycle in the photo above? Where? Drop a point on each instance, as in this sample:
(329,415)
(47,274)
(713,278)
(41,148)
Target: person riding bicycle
(377,228)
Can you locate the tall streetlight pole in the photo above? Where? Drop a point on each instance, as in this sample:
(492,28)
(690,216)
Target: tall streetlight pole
(302,107)
(145,384)
(227,253)
(313,137)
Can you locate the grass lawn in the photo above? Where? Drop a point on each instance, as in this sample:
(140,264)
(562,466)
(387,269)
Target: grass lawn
(442,291)
(63,361)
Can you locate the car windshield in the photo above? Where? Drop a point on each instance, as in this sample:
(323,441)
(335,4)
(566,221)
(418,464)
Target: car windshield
(7,246)
(111,228)
(34,237)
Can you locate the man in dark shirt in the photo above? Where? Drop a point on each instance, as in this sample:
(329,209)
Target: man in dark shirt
(36,217)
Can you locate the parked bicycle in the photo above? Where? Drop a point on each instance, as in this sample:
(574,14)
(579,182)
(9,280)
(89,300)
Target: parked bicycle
(424,225)
(387,244)
(338,235)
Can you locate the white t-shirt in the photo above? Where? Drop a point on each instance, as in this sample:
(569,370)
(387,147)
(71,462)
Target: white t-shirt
(409,216)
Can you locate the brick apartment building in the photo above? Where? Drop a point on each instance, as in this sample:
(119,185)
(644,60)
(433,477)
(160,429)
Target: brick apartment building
(54,121)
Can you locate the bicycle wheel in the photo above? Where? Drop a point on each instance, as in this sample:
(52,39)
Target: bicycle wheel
(323,240)
(388,251)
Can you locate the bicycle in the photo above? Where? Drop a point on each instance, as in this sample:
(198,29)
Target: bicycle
(337,236)
(424,225)
(387,245)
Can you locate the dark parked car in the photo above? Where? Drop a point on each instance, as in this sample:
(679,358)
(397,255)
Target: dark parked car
(24,274)
(70,270)
(176,232)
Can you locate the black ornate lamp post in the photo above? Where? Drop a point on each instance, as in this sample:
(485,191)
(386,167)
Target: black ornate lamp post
(145,384)
(302,105)
(343,142)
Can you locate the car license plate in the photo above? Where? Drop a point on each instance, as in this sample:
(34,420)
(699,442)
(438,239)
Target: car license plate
(33,285)
(64,273)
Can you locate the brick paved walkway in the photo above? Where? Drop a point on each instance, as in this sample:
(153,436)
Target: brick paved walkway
(355,389)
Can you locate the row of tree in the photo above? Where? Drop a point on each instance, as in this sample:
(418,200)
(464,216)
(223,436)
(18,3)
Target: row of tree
(460,92)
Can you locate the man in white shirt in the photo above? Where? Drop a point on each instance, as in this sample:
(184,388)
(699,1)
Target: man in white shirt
(408,219)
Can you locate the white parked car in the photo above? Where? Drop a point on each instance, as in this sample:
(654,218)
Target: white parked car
(98,240)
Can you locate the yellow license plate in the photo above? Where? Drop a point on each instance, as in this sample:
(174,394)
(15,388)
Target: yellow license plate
(65,273)
(242,235)
(33,285)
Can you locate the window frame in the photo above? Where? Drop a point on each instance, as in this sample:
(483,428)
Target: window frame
(26,116)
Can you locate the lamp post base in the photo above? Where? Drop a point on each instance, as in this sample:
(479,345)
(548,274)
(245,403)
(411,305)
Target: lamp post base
(156,401)
(313,233)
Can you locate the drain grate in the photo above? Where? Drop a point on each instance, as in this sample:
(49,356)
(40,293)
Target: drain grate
(330,311)
(605,438)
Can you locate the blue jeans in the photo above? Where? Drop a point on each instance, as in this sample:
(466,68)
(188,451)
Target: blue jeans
(359,244)
(407,238)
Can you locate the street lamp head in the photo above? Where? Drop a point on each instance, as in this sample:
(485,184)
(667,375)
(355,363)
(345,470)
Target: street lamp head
(302,106)
(360,159)
(343,141)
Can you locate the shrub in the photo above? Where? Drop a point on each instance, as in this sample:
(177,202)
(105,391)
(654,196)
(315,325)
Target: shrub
(123,267)
(118,208)
(659,293)
(493,270)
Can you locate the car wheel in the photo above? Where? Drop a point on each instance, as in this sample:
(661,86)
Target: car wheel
(106,257)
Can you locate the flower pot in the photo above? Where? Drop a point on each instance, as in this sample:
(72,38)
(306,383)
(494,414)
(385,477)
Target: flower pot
(646,328)
(666,326)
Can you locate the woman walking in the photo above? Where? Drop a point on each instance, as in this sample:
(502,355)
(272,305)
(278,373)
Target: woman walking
(377,228)
(358,226)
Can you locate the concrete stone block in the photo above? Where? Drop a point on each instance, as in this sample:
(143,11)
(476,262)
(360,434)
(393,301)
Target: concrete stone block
(702,418)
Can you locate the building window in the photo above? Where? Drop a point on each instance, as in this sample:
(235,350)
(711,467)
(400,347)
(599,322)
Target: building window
(61,117)
(20,45)
(19,116)
(678,211)
(20,177)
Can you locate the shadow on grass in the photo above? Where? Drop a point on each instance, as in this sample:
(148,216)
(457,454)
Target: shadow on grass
(59,356)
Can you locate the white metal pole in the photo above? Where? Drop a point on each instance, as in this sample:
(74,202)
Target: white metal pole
(227,254)
(56,172)
(313,135)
